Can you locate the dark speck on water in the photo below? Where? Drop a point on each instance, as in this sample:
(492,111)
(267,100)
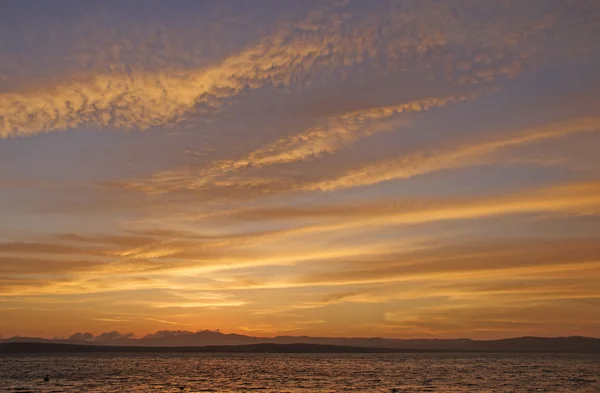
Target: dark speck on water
(292,373)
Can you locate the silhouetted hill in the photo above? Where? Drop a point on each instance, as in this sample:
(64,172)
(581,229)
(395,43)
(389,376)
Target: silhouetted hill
(33,347)
(217,339)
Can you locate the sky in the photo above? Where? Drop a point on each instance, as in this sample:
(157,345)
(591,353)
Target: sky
(399,169)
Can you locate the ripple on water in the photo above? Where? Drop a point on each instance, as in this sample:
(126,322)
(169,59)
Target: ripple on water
(227,373)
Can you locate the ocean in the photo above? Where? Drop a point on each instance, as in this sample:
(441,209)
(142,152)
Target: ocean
(95,373)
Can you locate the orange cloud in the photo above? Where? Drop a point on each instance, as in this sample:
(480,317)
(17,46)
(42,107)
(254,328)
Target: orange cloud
(337,132)
(323,41)
(221,178)
(423,162)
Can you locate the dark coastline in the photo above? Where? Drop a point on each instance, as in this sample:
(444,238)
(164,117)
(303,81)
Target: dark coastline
(36,347)
(29,347)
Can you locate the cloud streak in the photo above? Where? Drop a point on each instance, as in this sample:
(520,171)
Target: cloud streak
(233,178)
(144,266)
(323,40)
(338,132)
(146,99)
(423,162)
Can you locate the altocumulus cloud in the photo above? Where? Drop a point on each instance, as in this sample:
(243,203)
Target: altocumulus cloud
(322,41)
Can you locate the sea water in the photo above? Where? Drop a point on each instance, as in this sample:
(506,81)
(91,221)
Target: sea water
(94,373)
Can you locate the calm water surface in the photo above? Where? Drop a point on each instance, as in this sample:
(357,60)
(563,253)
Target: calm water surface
(93,373)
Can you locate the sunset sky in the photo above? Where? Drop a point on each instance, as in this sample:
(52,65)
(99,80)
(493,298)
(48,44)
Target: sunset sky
(272,167)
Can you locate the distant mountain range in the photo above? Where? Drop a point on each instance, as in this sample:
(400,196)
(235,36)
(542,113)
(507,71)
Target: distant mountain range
(215,341)
(33,347)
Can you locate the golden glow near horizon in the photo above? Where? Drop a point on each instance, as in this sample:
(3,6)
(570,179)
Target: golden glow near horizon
(332,168)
